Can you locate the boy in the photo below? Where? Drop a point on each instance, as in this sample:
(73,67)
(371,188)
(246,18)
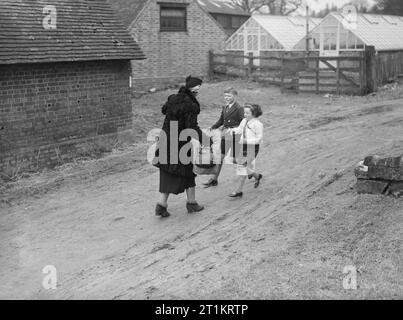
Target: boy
(231,116)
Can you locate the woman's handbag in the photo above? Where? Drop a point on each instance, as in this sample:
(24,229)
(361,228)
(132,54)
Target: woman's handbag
(205,158)
(204,164)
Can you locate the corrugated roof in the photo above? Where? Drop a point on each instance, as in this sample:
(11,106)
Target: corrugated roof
(223,7)
(127,10)
(286,30)
(382,31)
(85,30)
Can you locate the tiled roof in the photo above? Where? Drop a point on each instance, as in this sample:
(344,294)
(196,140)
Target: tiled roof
(286,30)
(382,31)
(220,6)
(85,30)
(127,10)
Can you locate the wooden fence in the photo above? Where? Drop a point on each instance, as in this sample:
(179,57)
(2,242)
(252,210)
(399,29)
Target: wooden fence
(388,66)
(353,74)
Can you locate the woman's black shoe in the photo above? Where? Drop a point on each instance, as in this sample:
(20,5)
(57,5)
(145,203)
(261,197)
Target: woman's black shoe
(236,195)
(211,183)
(161,211)
(250,176)
(193,207)
(258,181)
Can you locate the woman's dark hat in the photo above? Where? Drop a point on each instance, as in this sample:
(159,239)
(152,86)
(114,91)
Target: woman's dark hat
(193,82)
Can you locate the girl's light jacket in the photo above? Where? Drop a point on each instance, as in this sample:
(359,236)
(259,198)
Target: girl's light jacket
(251,131)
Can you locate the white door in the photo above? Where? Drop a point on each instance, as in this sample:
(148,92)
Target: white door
(252,46)
(329,45)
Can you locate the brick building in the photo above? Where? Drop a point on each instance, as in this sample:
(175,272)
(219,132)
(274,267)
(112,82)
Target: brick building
(64,79)
(175,35)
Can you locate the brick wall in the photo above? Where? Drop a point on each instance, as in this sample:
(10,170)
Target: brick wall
(48,110)
(171,56)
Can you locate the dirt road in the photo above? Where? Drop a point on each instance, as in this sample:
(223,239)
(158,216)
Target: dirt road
(290,239)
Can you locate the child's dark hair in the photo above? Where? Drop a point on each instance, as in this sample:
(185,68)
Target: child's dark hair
(255,109)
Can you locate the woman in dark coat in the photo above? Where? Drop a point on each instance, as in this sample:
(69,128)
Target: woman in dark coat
(176,176)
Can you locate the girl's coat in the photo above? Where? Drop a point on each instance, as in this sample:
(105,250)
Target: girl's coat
(251,131)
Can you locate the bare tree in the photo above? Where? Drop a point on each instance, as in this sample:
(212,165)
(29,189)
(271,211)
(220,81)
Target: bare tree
(361,5)
(249,5)
(394,7)
(275,7)
(289,6)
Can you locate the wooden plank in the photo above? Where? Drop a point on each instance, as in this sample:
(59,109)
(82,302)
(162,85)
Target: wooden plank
(250,64)
(338,78)
(246,57)
(269,58)
(353,70)
(362,78)
(331,58)
(267,68)
(324,60)
(230,74)
(230,55)
(333,85)
(317,74)
(282,73)
(228,64)
(370,67)
(352,91)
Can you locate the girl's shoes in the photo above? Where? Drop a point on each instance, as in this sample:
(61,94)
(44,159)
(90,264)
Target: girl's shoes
(258,180)
(236,195)
(161,211)
(193,207)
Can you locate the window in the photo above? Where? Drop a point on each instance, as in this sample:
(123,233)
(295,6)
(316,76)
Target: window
(252,42)
(343,40)
(241,41)
(172,17)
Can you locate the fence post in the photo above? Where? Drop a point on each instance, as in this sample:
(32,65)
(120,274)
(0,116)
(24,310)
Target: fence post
(282,72)
(338,77)
(250,64)
(317,74)
(210,64)
(371,83)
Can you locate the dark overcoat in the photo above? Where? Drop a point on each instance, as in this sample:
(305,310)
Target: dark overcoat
(181,110)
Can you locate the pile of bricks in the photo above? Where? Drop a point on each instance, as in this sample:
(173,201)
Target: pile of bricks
(376,175)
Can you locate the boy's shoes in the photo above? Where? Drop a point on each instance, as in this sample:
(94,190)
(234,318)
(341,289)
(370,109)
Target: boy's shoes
(161,211)
(193,207)
(211,183)
(258,181)
(236,195)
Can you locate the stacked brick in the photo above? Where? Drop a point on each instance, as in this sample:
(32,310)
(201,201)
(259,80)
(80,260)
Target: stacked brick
(376,175)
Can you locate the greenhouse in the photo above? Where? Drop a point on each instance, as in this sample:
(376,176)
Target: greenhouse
(269,33)
(338,33)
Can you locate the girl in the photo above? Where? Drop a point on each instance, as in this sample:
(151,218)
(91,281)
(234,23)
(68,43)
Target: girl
(251,131)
